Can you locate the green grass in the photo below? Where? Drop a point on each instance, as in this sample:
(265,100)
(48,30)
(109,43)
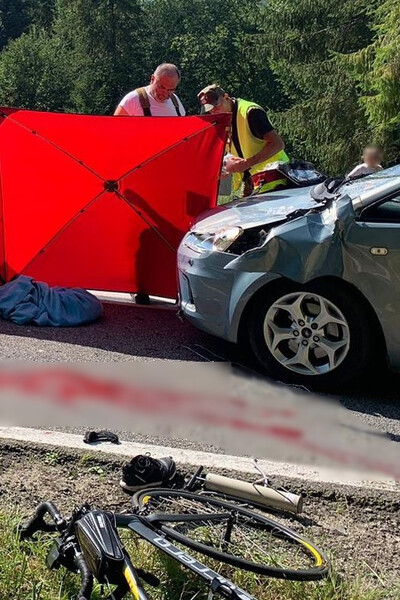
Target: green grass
(24,576)
(51,458)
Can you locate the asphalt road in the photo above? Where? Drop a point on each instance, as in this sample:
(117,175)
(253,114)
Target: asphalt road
(131,333)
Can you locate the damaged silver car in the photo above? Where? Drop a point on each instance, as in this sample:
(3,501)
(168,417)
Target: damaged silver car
(310,283)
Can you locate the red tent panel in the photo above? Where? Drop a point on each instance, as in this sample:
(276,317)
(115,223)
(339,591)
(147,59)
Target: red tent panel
(103,202)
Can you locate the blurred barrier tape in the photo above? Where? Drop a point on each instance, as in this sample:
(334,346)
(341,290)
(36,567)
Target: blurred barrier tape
(199,402)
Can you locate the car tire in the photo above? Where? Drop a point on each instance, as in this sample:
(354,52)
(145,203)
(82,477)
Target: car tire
(353,327)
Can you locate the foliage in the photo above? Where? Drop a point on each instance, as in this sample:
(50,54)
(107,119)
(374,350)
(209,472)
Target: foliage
(16,16)
(377,71)
(223,44)
(324,122)
(328,73)
(34,73)
(101,38)
(14,20)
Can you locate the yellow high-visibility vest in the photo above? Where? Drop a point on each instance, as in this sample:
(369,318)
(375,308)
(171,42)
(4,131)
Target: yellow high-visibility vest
(251,145)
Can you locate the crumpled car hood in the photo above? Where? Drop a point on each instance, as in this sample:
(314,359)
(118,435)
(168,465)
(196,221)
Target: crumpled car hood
(304,248)
(251,212)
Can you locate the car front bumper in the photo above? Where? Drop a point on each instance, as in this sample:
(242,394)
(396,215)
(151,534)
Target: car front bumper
(205,289)
(213,297)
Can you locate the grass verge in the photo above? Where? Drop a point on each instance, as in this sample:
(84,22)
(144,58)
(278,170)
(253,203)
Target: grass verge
(24,576)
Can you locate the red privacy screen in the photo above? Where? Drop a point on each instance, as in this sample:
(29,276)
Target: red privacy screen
(103,202)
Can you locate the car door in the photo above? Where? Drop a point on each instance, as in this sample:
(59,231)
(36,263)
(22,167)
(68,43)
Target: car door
(372,259)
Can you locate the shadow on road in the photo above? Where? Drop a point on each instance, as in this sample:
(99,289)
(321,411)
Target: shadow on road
(128,330)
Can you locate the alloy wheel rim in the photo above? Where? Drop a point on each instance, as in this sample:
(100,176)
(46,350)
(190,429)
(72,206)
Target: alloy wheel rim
(306,333)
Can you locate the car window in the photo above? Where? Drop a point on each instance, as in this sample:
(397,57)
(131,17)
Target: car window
(388,211)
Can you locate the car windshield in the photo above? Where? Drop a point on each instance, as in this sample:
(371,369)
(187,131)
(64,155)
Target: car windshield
(371,182)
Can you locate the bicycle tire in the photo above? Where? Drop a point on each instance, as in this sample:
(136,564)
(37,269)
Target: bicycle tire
(168,509)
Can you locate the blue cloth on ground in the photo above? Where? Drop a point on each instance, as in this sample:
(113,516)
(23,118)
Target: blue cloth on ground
(24,300)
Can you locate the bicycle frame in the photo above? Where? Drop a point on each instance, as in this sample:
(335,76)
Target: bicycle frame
(68,553)
(216,582)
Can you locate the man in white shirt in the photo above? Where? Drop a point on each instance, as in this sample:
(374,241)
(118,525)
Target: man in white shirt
(372,157)
(157,99)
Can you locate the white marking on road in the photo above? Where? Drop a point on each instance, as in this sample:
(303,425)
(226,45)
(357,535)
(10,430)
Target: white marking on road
(239,464)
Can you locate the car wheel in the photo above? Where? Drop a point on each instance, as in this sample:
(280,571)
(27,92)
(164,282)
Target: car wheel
(317,335)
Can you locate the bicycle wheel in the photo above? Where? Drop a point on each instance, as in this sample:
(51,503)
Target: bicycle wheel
(231,534)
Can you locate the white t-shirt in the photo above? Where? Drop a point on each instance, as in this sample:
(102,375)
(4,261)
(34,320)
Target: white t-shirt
(364,169)
(131,104)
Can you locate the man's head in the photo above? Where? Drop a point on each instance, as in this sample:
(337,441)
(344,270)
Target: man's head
(164,81)
(372,155)
(214,99)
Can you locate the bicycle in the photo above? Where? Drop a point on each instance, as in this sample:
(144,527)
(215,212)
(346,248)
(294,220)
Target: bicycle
(232,534)
(89,543)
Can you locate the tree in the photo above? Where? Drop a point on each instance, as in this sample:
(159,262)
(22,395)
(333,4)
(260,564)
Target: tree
(377,71)
(221,44)
(325,122)
(14,20)
(41,13)
(34,73)
(17,16)
(102,39)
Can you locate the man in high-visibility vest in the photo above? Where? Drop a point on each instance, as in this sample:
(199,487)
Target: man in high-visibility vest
(253,142)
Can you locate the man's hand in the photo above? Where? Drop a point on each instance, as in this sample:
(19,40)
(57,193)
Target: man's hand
(235,164)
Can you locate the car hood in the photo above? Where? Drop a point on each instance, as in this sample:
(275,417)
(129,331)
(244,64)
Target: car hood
(254,211)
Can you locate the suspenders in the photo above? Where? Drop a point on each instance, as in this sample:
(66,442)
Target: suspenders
(145,103)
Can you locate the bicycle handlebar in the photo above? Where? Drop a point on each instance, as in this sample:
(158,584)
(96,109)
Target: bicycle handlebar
(68,552)
(85,592)
(37,522)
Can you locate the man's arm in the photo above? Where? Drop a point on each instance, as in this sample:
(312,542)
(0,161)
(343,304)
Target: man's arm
(121,111)
(261,128)
(273,144)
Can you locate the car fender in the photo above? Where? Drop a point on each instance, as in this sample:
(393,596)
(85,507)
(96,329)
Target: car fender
(245,287)
(304,248)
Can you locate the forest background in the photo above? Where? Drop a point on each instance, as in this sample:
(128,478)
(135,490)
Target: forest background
(328,73)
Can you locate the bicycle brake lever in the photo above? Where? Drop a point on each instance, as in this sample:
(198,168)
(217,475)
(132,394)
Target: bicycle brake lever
(54,555)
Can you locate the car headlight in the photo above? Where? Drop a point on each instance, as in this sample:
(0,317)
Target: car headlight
(218,241)
(223,238)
